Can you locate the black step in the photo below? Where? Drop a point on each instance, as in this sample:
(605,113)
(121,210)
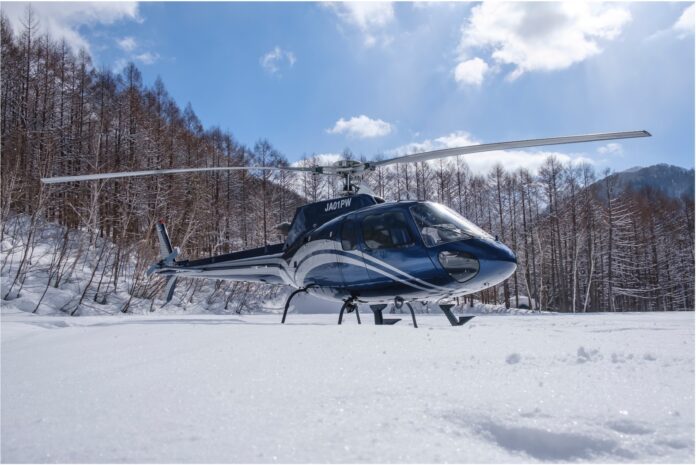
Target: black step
(447,310)
(379,320)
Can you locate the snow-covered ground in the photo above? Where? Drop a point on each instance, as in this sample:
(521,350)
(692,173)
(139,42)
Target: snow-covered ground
(221,388)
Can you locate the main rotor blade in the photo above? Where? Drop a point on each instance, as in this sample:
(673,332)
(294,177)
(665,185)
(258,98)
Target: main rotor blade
(127,174)
(516,144)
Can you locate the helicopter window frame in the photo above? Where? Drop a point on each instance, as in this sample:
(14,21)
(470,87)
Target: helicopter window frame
(349,224)
(323,233)
(390,226)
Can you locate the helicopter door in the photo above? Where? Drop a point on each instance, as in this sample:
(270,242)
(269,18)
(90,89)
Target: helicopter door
(390,247)
(350,257)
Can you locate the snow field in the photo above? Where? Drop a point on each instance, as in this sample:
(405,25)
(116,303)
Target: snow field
(203,388)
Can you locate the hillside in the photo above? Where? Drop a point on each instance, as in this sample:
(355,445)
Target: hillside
(673,181)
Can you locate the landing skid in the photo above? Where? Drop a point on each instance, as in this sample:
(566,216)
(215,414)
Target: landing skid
(351,306)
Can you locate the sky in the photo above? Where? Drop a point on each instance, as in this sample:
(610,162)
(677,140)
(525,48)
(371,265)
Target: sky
(383,79)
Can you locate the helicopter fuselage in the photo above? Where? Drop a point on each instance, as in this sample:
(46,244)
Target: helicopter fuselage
(370,252)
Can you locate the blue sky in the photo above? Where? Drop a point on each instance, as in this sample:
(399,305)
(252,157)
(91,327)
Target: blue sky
(389,78)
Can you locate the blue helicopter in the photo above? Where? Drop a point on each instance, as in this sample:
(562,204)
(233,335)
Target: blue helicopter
(359,248)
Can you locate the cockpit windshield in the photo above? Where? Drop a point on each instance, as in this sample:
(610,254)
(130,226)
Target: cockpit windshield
(438,224)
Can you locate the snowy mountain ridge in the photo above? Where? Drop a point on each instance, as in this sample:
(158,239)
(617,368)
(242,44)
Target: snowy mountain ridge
(673,181)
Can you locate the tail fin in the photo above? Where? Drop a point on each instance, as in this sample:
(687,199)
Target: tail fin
(167,253)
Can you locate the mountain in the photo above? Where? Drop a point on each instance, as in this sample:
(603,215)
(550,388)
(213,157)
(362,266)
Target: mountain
(673,181)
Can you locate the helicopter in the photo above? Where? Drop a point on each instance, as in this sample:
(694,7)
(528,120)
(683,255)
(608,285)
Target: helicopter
(358,248)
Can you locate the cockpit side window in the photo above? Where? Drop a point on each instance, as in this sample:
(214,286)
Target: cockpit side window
(348,239)
(385,231)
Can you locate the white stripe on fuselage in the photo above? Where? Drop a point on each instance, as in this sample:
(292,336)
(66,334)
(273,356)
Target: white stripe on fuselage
(319,260)
(328,254)
(394,269)
(331,254)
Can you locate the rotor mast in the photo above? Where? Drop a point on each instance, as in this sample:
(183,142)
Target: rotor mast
(347,170)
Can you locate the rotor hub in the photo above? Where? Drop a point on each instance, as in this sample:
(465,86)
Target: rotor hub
(346,168)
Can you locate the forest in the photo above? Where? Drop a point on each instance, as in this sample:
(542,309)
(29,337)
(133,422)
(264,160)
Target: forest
(583,243)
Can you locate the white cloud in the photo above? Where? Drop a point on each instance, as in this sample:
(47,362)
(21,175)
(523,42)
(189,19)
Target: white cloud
(128,44)
(273,60)
(61,20)
(682,28)
(361,127)
(322,159)
(455,139)
(481,163)
(538,36)
(471,71)
(370,18)
(147,58)
(119,65)
(611,148)
(685,24)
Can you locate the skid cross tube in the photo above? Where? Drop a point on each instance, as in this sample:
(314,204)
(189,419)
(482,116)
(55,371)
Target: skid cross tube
(413,314)
(287,303)
(350,305)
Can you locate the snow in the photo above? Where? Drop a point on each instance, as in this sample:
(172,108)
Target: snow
(78,270)
(230,388)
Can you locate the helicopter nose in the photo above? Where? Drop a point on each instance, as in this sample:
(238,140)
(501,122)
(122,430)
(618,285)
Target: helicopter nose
(496,251)
(497,264)
(505,254)
(479,263)
(497,271)
(506,264)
